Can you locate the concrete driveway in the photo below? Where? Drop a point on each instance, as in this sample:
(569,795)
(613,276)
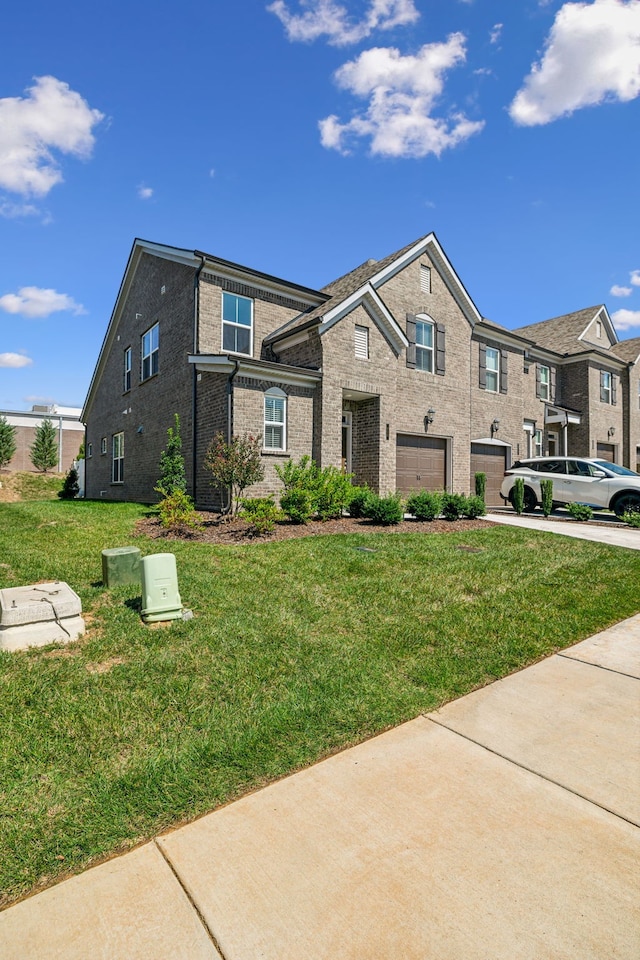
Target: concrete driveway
(503,826)
(614,535)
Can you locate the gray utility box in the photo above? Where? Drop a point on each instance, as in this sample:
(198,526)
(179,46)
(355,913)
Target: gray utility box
(39,614)
(120,566)
(160,597)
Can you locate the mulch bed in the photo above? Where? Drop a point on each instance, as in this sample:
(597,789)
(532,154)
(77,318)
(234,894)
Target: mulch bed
(220,531)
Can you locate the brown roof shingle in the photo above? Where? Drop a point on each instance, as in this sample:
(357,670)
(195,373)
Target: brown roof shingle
(561,333)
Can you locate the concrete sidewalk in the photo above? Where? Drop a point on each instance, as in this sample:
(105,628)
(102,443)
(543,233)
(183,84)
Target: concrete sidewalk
(614,536)
(503,826)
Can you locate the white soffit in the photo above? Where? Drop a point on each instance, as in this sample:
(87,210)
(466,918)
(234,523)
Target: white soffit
(367,297)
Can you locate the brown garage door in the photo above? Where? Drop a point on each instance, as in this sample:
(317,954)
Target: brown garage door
(489,459)
(606,451)
(421,463)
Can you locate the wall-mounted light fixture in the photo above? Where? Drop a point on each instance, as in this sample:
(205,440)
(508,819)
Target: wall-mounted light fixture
(140,429)
(610,432)
(495,426)
(430,414)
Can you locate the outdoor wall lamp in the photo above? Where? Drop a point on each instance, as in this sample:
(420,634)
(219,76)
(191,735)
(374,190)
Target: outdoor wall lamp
(429,417)
(495,426)
(611,431)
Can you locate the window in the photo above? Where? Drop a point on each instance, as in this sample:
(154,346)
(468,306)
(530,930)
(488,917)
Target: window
(103,445)
(89,450)
(237,323)
(117,473)
(275,419)
(127,369)
(424,346)
(606,390)
(493,370)
(544,382)
(150,345)
(598,329)
(425,279)
(537,444)
(362,342)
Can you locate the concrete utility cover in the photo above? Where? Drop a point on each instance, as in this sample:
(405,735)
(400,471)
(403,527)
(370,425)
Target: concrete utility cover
(39,614)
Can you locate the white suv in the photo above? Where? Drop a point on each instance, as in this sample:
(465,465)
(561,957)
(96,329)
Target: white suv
(575,480)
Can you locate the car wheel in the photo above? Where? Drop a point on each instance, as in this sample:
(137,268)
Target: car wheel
(530,500)
(626,502)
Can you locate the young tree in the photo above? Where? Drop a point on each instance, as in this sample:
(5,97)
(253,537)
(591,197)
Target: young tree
(235,465)
(71,487)
(7,442)
(44,449)
(172,473)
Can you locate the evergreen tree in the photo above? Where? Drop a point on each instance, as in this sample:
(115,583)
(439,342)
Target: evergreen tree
(7,442)
(172,473)
(71,487)
(44,449)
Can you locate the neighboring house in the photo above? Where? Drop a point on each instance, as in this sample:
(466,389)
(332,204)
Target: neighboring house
(68,426)
(389,372)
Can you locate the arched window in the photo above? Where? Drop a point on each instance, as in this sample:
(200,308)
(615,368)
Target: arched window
(275,419)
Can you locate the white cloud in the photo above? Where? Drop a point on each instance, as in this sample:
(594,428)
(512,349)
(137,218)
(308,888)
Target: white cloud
(51,117)
(13,210)
(591,55)
(617,291)
(145,193)
(326,18)
(626,319)
(634,277)
(14,360)
(35,302)
(496,32)
(402,92)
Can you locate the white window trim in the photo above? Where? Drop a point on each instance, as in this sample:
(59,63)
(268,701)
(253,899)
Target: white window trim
(117,459)
(127,370)
(275,392)
(604,387)
(426,321)
(490,370)
(545,386)
(538,443)
(361,338)
(89,450)
(144,356)
(103,445)
(241,326)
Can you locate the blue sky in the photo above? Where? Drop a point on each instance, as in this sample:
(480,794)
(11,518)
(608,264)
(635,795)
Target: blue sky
(302,138)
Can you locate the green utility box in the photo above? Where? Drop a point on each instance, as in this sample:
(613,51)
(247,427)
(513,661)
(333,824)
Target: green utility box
(120,566)
(160,597)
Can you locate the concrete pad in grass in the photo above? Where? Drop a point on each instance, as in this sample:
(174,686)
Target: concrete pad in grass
(417,844)
(570,721)
(617,648)
(131,908)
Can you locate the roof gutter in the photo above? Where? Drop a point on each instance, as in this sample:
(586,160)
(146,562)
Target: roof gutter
(194,382)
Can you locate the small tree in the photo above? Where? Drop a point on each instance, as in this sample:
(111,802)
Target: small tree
(546,490)
(70,487)
(517,495)
(480,480)
(235,465)
(7,442)
(172,473)
(44,449)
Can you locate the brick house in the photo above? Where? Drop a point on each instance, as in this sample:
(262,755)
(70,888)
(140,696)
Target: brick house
(390,372)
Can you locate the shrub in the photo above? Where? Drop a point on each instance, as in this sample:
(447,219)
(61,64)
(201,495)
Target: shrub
(177,510)
(298,505)
(453,505)
(172,473)
(358,500)
(261,512)
(546,489)
(385,510)
(517,492)
(474,507)
(480,485)
(425,505)
(235,465)
(70,487)
(44,449)
(580,511)
(333,493)
(632,518)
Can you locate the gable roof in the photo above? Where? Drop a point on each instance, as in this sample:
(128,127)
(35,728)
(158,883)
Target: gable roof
(563,334)
(362,283)
(628,350)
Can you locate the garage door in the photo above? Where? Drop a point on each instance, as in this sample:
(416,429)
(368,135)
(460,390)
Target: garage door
(489,459)
(421,463)
(606,451)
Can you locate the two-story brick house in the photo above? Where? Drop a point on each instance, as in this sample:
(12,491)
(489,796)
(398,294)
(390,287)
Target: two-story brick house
(390,372)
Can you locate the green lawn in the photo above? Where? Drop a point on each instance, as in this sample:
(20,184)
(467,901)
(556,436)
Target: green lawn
(296,648)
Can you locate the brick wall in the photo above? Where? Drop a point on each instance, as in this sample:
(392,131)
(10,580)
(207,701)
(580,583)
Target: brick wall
(72,437)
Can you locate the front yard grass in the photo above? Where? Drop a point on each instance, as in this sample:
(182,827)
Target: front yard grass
(296,649)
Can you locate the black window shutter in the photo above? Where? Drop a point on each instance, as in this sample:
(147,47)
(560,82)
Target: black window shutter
(411,337)
(440,361)
(614,389)
(603,393)
(503,371)
(538,391)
